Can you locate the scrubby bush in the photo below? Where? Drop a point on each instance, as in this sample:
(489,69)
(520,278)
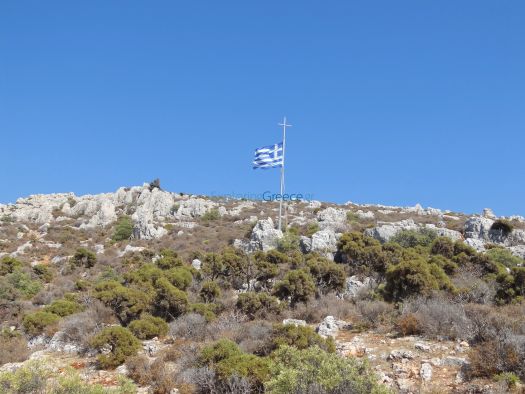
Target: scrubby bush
(23,285)
(227,359)
(207,310)
(415,276)
(312,370)
(413,238)
(148,327)
(43,272)
(443,246)
(189,326)
(503,226)
(289,242)
(363,254)
(9,264)
(296,285)
(63,307)
(121,342)
(328,275)
(13,347)
(84,258)
(170,302)
(30,378)
(180,277)
(212,214)
(300,337)
(169,259)
(123,229)
(35,323)
(127,303)
(209,291)
(153,374)
(258,304)
(505,257)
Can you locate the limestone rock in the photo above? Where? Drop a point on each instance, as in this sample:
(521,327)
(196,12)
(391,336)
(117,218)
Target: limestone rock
(385,232)
(264,237)
(478,227)
(196,263)
(354,286)
(324,241)
(294,322)
(400,354)
(426,371)
(194,207)
(60,342)
(332,218)
(487,213)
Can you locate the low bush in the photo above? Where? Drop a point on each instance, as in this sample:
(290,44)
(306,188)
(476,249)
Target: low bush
(212,214)
(190,326)
(300,337)
(13,347)
(148,327)
(123,229)
(258,304)
(84,258)
(43,272)
(37,322)
(312,370)
(209,291)
(296,285)
(121,342)
(63,307)
(8,265)
(413,238)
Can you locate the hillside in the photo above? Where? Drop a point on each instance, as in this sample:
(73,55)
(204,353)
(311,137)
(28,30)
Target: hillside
(145,290)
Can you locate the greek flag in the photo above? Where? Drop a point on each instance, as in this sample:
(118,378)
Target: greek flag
(269,156)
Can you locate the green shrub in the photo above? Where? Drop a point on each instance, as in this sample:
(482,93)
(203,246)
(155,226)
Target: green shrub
(205,310)
(258,304)
(502,225)
(313,370)
(510,379)
(30,378)
(179,277)
(300,337)
(212,214)
(63,307)
(228,360)
(84,258)
(35,323)
(43,272)
(413,238)
(414,276)
(170,302)
(363,253)
(23,283)
(289,242)
(169,259)
(329,276)
(443,246)
(121,342)
(505,257)
(9,264)
(128,303)
(123,229)
(209,291)
(71,383)
(312,229)
(148,327)
(297,286)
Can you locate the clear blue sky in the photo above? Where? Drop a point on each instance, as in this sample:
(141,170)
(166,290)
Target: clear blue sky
(393,102)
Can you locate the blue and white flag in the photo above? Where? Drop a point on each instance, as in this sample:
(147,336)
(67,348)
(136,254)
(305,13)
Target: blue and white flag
(269,156)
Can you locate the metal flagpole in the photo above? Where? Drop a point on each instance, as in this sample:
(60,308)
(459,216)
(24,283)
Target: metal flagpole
(282,170)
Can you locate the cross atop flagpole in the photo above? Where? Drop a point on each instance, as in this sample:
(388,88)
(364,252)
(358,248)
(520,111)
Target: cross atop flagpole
(284,125)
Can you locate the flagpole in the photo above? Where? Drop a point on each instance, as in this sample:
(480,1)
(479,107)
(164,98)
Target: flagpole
(282,171)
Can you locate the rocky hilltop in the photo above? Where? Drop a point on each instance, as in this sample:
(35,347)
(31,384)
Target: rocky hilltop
(155,212)
(146,290)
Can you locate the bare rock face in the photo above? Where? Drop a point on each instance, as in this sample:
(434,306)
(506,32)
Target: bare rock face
(195,207)
(332,218)
(153,206)
(478,227)
(330,327)
(387,231)
(354,286)
(264,237)
(105,215)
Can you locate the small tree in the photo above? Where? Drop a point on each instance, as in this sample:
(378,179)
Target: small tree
(297,285)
